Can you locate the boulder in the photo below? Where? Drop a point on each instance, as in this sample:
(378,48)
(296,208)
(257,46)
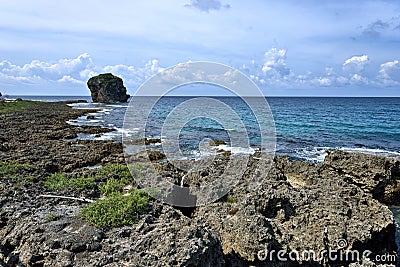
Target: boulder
(107,88)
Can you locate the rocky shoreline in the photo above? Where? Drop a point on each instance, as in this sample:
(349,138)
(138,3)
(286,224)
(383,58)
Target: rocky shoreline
(339,205)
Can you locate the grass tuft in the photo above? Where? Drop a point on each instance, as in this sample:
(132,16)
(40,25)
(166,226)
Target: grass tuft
(51,217)
(9,169)
(112,186)
(117,210)
(231,200)
(58,181)
(117,171)
(16,105)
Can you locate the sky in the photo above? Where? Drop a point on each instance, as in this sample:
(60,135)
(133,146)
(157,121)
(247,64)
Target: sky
(287,47)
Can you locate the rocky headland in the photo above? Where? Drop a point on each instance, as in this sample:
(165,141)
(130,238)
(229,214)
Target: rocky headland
(107,88)
(338,205)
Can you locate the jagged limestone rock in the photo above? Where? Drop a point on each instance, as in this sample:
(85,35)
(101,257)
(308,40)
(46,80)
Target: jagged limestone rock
(107,88)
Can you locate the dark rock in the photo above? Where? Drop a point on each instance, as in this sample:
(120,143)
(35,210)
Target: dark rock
(107,88)
(376,175)
(149,141)
(155,155)
(144,141)
(217,142)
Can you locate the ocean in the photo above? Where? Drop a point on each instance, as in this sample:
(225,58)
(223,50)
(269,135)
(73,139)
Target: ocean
(305,126)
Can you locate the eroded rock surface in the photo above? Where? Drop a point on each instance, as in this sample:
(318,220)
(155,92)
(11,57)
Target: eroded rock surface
(107,88)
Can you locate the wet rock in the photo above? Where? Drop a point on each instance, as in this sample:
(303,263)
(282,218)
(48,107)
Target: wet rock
(107,88)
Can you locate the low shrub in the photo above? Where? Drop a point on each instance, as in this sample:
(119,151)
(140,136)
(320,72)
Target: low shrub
(117,210)
(9,169)
(117,171)
(231,200)
(112,186)
(58,181)
(51,217)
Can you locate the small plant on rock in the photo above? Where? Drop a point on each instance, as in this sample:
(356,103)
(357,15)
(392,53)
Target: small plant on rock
(23,172)
(51,217)
(117,210)
(58,181)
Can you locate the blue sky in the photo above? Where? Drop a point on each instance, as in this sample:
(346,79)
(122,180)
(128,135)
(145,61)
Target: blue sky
(310,47)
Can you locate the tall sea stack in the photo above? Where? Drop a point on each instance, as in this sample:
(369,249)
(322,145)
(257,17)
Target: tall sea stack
(107,88)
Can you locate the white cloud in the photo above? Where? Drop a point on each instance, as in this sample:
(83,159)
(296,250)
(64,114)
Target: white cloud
(327,81)
(271,71)
(69,79)
(358,79)
(275,63)
(389,73)
(134,76)
(45,70)
(207,5)
(355,64)
(73,72)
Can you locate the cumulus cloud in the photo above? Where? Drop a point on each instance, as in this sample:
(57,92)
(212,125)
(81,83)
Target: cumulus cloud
(73,72)
(207,5)
(389,73)
(275,63)
(69,79)
(358,79)
(270,70)
(331,78)
(274,67)
(134,76)
(36,70)
(355,64)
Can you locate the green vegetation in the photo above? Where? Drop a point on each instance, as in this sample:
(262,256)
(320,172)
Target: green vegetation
(118,176)
(137,170)
(58,181)
(117,209)
(231,200)
(51,217)
(16,105)
(117,171)
(112,186)
(9,169)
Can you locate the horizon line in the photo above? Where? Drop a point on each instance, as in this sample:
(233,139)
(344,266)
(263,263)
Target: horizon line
(344,96)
